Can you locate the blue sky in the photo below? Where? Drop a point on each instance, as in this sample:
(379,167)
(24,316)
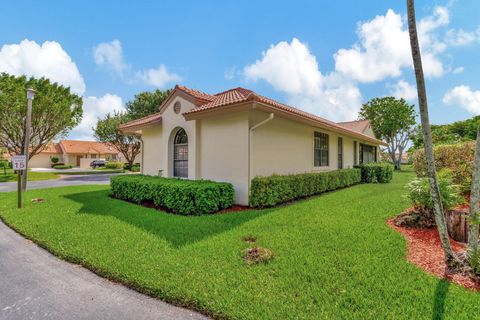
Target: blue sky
(326,57)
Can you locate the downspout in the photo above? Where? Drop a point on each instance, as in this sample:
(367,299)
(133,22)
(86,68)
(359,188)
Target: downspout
(250,148)
(141,158)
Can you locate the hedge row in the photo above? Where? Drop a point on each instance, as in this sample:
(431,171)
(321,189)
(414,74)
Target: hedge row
(187,197)
(376,172)
(277,189)
(114,165)
(62,166)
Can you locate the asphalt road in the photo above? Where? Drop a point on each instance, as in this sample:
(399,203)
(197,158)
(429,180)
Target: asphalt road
(73,180)
(36,285)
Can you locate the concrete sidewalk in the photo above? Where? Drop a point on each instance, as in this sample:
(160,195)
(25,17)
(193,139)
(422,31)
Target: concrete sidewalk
(36,285)
(64,181)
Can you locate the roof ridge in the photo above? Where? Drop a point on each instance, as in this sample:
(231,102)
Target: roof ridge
(234,89)
(193,91)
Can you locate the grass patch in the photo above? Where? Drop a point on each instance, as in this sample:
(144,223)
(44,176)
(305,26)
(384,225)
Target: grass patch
(335,257)
(32,176)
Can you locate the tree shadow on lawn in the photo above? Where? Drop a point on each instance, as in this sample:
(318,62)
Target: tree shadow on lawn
(441,291)
(178,230)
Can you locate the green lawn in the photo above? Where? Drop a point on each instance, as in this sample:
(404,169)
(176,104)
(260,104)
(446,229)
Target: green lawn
(335,258)
(32,176)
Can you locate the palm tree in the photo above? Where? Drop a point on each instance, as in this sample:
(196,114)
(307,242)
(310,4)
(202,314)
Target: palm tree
(474,202)
(450,258)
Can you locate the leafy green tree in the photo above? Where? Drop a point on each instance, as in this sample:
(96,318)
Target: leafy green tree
(55,112)
(392,120)
(146,103)
(143,104)
(107,131)
(451,133)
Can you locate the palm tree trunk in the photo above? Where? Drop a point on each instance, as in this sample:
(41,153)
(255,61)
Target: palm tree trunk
(450,258)
(474,201)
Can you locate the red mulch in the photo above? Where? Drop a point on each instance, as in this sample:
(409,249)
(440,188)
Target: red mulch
(425,251)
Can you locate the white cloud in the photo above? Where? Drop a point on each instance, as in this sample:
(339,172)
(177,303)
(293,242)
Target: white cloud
(383,49)
(458,70)
(460,37)
(292,69)
(94,108)
(47,60)
(157,77)
(405,90)
(464,97)
(110,54)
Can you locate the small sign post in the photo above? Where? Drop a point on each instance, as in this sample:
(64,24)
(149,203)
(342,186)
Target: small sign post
(19,164)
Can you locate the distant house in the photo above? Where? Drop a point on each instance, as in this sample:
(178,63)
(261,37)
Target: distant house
(237,134)
(77,153)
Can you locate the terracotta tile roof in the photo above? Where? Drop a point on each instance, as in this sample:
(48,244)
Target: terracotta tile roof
(153,118)
(359,125)
(83,147)
(196,93)
(238,95)
(53,148)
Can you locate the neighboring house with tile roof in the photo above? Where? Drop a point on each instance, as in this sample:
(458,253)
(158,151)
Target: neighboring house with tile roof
(73,151)
(362,126)
(238,134)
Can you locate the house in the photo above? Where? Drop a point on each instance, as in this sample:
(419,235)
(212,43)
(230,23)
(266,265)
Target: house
(237,134)
(77,153)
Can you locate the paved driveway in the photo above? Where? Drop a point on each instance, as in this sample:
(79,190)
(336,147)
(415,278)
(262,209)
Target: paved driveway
(74,180)
(36,285)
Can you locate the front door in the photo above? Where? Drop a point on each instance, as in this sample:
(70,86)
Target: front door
(78,160)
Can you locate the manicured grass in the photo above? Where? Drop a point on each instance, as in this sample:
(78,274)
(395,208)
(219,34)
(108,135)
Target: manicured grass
(32,176)
(335,258)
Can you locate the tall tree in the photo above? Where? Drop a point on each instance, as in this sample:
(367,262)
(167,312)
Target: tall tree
(450,258)
(474,203)
(393,121)
(146,103)
(143,104)
(55,112)
(107,131)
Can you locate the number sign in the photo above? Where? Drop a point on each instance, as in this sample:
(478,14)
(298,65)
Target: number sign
(19,162)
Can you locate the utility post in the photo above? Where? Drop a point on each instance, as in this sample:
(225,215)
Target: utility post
(28,125)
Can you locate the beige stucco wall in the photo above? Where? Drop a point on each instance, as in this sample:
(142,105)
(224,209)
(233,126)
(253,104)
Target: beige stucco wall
(42,160)
(157,141)
(220,147)
(152,150)
(283,146)
(223,152)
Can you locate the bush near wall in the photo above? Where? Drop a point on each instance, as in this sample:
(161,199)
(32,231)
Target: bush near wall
(277,189)
(456,157)
(62,166)
(376,172)
(114,165)
(187,197)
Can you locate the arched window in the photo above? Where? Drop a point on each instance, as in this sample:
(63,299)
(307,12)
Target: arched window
(180,154)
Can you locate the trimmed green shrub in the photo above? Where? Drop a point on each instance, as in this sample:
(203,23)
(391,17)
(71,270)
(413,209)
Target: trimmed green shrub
(376,172)
(135,168)
(187,197)
(456,157)
(62,166)
(114,165)
(277,189)
(54,160)
(419,192)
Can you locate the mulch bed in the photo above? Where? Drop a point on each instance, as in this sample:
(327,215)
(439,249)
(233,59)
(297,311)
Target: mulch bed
(425,251)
